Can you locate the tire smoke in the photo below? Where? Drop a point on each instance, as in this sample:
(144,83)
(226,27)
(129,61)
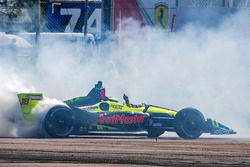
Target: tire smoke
(205,68)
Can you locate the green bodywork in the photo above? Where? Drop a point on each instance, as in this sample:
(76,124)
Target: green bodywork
(118,107)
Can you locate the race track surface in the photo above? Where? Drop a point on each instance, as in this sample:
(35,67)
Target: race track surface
(121,151)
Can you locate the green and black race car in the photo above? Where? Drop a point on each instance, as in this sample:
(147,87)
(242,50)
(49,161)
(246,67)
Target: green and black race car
(98,113)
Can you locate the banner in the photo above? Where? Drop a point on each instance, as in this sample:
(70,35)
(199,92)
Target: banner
(68,16)
(161,15)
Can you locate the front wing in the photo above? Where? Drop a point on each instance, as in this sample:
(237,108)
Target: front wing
(215,128)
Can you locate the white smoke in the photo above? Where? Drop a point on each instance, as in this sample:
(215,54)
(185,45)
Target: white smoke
(205,68)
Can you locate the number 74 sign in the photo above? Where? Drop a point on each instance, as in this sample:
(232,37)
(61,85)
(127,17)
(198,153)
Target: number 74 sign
(69,17)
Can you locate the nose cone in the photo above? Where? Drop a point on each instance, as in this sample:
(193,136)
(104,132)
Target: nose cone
(217,128)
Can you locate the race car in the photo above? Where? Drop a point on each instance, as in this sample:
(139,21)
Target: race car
(98,113)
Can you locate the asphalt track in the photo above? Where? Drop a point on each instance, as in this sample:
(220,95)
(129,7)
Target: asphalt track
(124,151)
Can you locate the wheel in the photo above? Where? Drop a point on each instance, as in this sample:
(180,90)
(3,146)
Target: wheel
(154,133)
(189,123)
(59,121)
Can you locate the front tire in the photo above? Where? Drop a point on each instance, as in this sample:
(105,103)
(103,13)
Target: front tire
(189,123)
(59,121)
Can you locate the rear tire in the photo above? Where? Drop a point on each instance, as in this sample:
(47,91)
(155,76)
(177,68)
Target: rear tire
(189,123)
(59,121)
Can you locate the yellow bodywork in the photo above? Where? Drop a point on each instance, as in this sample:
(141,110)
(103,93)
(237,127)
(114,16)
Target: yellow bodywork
(28,101)
(118,107)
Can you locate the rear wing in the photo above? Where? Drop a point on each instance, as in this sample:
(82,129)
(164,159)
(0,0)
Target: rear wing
(28,101)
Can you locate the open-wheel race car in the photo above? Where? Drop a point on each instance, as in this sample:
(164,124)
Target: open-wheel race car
(98,113)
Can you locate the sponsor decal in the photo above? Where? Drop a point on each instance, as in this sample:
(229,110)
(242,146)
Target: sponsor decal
(92,107)
(120,119)
(35,97)
(115,106)
(89,108)
(25,101)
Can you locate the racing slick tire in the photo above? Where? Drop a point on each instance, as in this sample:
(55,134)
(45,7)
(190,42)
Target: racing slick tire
(189,123)
(59,121)
(154,133)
